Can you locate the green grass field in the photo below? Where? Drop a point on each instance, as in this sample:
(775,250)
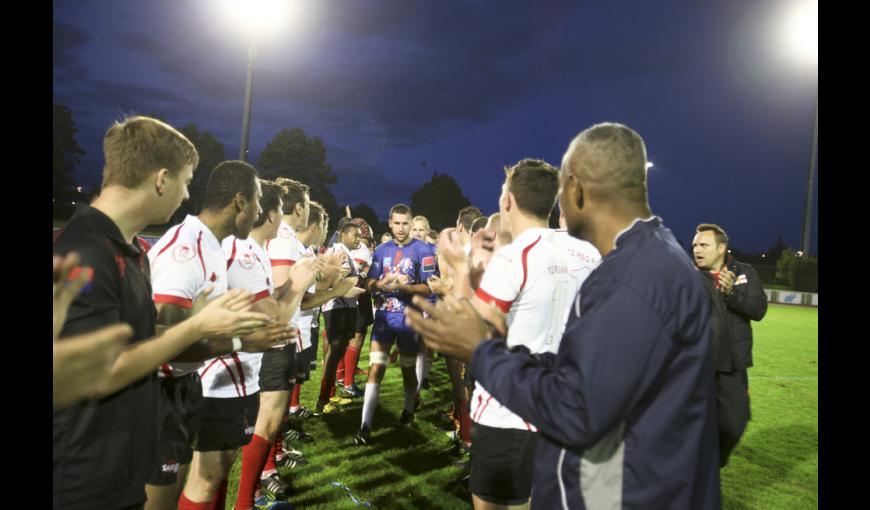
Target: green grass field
(775,466)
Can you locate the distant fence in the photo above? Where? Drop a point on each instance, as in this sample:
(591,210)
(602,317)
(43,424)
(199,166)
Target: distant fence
(792,297)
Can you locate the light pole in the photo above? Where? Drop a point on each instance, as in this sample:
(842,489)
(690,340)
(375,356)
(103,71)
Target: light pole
(808,209)
(801,30)
(249,92)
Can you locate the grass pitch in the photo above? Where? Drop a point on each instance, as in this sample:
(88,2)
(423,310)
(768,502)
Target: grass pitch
(775,466)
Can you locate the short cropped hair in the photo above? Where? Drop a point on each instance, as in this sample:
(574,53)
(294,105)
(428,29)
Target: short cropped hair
(399,209)
(467,215)
(227,179)
(478,224)
(295,193)
(534,184)
(139,146)
(269,201)
(421,219)
(316,213)
(718,232)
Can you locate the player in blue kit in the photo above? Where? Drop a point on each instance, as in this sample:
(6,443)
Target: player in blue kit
(399,270)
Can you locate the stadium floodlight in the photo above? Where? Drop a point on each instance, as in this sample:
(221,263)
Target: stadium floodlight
(258,19)
(800,32)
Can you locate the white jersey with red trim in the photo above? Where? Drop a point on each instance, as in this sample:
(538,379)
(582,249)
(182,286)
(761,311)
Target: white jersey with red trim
(353,267)
(533,280)
(363,258)
(307,317)
(286,250)
(248,268)
(186,260)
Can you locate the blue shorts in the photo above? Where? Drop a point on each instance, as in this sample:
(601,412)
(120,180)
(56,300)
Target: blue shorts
(390,327)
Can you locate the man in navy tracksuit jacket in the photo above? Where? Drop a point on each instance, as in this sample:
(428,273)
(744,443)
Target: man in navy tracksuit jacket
(626,408)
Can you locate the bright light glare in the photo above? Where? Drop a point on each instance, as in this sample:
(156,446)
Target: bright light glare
(801,31)
(649,164)
(261,17)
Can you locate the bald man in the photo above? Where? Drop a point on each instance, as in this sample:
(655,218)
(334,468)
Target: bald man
(626,408)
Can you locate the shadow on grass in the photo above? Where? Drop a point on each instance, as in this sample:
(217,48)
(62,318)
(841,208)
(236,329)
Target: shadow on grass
(774,453)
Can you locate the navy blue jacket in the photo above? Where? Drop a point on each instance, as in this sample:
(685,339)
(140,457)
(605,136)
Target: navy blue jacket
(627,406)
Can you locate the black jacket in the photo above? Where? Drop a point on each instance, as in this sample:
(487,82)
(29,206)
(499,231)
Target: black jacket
(746,302)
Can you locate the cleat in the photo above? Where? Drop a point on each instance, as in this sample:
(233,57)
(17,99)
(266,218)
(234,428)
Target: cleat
(327,408)
(352,391)
(340,401)
(298,435)
(406,419)
(274,487)
(303,413)
(363,437)
(264,503)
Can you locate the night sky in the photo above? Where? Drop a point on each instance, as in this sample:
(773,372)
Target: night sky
(399,89)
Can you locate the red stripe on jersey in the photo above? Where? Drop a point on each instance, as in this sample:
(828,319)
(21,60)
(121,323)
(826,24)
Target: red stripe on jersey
(504,306)
(260,295)
(232,256)
(525,261)
(166,371)
(282,262)
(482,409)
(359,261)
(239,393)
(144,244)
(199,252)
(241,373)
(166,299)
(171,241)
(209,366)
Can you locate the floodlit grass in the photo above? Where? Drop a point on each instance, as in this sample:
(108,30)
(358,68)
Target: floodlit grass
(775,466)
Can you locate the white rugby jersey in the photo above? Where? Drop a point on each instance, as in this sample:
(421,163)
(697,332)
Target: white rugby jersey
(533,280)
(248,268)
(307,317)
(186,260)
(350,263)
(286,250)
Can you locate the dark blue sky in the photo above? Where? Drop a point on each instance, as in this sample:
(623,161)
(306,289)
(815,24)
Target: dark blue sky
(469,87)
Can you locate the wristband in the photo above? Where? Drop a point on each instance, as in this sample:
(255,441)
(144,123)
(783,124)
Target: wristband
(237,344)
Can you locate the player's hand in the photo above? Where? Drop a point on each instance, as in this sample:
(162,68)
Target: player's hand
(227,316)
(271,336)
(436,286)
(83,361)
(354,293)
(454,328)
(304,273)
(64,288)
(451,249)
(482,247)
(726,281)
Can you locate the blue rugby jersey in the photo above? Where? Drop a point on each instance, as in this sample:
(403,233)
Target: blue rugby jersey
(416,260)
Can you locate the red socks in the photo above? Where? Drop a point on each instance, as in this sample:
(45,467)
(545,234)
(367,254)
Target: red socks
(186,504)
(254,457)
(464,422)
(339,370)
(219,502)
(294,397)
(270,457)
(351,359)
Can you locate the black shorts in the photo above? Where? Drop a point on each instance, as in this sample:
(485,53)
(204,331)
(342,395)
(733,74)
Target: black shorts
(180,409)
(365,317)
(502,464)
(340,324)
(227,423)
(277,367)
(315,345)
(303,362)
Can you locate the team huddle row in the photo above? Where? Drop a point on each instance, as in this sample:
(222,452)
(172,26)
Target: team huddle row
(565,402)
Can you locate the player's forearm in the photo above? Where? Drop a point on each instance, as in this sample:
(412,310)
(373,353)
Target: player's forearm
(289,304)
(143,358)
(420,289)
(314,300)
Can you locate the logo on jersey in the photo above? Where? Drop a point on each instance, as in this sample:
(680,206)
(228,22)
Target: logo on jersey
(249,431)
(171,466)
(184,252)
(428,264)
(284,232)
(247,260)
(387,262)
(88,271)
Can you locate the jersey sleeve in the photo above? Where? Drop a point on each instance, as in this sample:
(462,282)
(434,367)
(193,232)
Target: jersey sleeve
(283,251)
(177,275)
(502,280)
(377,265)
(244,270)
(98,304)
(428,265)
